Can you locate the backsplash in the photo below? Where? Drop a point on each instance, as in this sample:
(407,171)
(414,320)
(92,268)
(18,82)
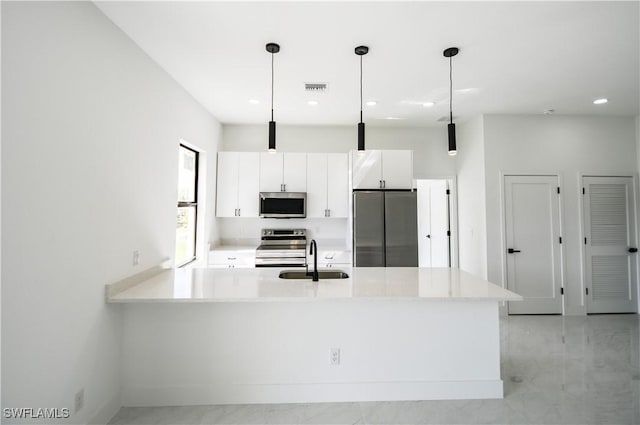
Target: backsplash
(246,231)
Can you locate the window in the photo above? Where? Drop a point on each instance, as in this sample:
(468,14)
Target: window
(187,206)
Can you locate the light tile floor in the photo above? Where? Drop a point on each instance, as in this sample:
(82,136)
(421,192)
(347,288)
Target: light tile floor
(556,370)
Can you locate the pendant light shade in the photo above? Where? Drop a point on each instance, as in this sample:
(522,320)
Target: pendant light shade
(361,51)
(449,53)
(272,48)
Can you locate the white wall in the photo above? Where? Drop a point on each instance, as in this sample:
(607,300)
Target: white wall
(554,144)
(429,144)
(89,172)
(472,228)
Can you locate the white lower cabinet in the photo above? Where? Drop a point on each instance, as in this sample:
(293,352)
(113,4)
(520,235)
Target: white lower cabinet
(327,185)
(328,259)
(232,258)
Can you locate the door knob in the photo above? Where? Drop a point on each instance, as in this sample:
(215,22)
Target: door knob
(633,249)
(512,251)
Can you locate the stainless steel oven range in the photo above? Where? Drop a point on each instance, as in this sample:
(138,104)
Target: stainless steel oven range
(282,248)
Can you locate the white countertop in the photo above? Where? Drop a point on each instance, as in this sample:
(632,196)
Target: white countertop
(263,285)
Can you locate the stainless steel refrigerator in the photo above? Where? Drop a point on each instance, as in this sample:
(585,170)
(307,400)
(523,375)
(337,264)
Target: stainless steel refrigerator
(385,229)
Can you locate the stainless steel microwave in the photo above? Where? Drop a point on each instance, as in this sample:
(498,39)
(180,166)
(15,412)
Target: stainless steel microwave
(283,204)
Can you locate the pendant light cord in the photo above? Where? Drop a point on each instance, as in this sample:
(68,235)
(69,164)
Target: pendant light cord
(271,86)
(360,88)
(450,91)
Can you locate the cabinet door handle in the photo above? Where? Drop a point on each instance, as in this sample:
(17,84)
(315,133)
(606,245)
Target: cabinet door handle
(380,183)
(384,184)
(231,258)
(235,212)
(328,213)
(633,249)
(238,212)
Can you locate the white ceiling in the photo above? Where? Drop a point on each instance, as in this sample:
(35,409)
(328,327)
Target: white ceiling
(515,57)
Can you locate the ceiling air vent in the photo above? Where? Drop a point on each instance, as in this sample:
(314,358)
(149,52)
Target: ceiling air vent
(315,87)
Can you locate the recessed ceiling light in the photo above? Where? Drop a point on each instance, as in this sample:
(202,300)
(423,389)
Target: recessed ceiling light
(372,103)
(254,101)
(312,102)
(428,104)
(600,101)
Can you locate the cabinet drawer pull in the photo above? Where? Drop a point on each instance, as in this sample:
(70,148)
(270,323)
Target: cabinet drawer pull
(231,258)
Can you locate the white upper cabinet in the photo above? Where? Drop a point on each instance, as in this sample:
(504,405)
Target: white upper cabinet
(248,184)
(271,172)
(237,184)
(283,172)
(294,172)
(337,185)
(327,185)
(316,184)
(397,169)
(367,169)
(388,169)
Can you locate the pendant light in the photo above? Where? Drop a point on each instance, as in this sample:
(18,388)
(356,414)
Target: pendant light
(361,51)
(449,53)
(272,48)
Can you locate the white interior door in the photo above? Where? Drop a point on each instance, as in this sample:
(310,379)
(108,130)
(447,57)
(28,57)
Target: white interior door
(610,270)
(532,220)
(433,223)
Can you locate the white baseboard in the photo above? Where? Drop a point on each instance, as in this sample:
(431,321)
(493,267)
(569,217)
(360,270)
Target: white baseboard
(107,411)
(310,393)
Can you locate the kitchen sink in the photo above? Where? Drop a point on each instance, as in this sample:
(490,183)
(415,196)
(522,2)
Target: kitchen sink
(322,274)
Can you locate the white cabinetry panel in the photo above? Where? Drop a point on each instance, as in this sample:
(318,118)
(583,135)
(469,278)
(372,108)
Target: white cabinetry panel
(367,169)
(327,185)
(337,185)
(389,169)
(271,171)
(248,184)
(237,184)
(283,172)
(227,184)
(316,184)
(295,172)
(397,169)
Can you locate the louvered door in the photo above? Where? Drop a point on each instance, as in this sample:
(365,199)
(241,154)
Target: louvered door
(610,267)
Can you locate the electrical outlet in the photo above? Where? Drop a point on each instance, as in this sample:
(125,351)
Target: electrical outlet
(334,357)
(79,400)
(136,257)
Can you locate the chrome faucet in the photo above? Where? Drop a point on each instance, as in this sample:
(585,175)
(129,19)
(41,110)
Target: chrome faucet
(314,251)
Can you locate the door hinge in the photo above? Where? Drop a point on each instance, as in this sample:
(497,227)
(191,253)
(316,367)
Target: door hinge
(585,241)
(587,289)
(558,190)
(561,291)
(448,232)
(448,192)
(560,239)
(583,191)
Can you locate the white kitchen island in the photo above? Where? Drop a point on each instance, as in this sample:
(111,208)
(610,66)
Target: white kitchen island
(212,336)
